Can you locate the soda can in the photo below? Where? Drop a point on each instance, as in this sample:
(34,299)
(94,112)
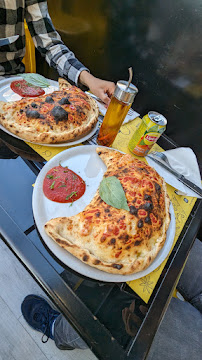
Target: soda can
(150,129)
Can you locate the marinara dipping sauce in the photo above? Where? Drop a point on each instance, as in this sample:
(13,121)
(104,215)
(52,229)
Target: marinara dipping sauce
(22,88)
(63,185)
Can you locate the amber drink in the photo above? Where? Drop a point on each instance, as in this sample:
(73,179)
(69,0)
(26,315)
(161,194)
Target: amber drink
(117,110)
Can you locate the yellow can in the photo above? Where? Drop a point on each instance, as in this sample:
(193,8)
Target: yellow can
(150,129)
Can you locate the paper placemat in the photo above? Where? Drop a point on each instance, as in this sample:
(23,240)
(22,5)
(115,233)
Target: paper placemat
(182,204)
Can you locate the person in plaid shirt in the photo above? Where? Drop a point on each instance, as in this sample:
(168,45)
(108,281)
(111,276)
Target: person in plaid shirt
(47,41)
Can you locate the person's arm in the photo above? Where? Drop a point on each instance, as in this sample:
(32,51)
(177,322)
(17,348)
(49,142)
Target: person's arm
(57,54)
(49,43)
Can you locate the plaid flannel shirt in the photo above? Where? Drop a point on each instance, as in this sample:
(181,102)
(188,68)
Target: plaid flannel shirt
(44,35)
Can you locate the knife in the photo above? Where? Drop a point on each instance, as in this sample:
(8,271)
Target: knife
(8,40)
(179,176)
(95,97)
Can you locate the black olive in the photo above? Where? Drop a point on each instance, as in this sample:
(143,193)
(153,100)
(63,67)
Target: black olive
(112,241)
(42,116)
(125,170)
(64,101)
(59,114)
(34,105)
(133,210)
(21,111)
(148,220)
(157,187)
(49,99)
(32,114)
(148,206)
(140,224)
(126,237)
(147,197)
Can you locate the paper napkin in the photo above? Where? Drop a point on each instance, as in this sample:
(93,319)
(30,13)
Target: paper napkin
(184,161)
(130,116)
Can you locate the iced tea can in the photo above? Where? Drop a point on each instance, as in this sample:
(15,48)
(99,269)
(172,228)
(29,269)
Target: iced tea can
(150,129)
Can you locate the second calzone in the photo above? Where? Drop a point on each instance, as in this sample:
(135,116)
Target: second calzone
(115,240)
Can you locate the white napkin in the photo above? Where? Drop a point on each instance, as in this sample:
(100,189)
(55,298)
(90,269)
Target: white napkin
(130,116)
(184,161)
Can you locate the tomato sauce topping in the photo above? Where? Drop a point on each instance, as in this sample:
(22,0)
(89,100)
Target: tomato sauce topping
(63,185)
(22,88)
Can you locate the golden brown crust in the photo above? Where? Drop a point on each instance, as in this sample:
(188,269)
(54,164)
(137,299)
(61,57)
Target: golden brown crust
(119,241)
(70,115)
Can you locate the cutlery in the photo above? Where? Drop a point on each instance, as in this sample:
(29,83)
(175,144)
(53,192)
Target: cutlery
(179,176)
(162,156)
(95,97)
(8,40)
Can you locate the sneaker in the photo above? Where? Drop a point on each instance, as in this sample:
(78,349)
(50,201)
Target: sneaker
(39,315)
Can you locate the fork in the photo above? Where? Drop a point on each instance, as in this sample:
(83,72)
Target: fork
(162,156)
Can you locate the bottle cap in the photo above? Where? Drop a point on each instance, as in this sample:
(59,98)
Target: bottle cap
(125,93)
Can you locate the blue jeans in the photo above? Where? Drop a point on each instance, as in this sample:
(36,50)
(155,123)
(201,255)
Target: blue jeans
(190,284)
(179,336)
(65,335)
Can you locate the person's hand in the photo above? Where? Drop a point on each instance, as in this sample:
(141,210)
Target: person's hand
(101,88)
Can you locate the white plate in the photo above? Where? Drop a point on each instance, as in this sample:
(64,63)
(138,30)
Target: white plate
(86,163)
(6,94)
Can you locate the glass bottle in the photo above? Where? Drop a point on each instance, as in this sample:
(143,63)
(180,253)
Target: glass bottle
(120,103)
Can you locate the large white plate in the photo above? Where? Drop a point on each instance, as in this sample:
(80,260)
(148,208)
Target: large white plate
(6,94)
(85,162)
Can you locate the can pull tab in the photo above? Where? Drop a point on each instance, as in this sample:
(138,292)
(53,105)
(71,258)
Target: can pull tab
(157,118)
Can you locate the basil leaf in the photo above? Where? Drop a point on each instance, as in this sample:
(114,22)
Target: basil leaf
(112,193)
(52,185)
(35,79)
(70,195)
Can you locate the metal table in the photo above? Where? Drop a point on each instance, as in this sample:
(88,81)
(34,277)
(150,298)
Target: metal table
(94,308)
